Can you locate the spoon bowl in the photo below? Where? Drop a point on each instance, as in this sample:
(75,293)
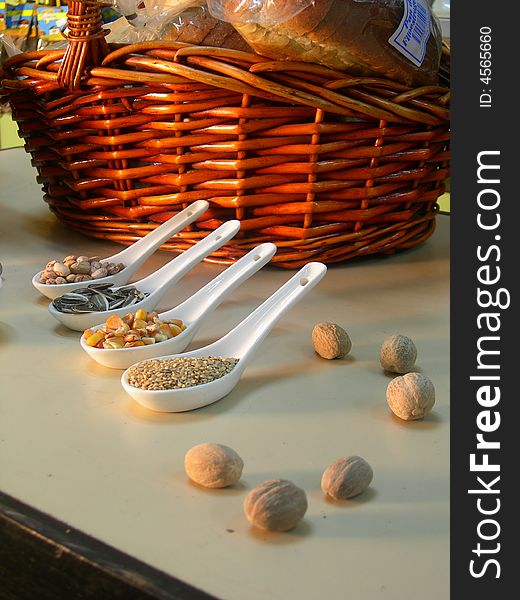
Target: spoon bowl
(240,343)
(156,284)
(133,256)
(192,312)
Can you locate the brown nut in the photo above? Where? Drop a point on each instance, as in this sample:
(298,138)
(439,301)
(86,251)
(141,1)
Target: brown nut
(398,354)
(276,505)
(111,269)
(330,340)
(410,396)
(99,273)
(49,274)
(213,465)
(80,278)
(61,270)
(80,268)
(346,477)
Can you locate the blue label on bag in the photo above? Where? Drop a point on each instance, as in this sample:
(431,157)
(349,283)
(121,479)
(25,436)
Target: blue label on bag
(412,35)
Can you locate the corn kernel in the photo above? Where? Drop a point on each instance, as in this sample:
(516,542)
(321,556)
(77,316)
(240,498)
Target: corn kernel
(175,329)
(148,340)
(114,322)
(122,330)
(139,324)
(173,322)
(128,319)
(95,338)
(116,342)
(141,314)
(164,328)
(87,333)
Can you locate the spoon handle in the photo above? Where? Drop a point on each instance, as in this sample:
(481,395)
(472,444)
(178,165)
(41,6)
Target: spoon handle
(138,252)
(213,293)
(157,283)
(247,335)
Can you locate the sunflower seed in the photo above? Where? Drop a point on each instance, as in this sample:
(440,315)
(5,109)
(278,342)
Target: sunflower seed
(117,303)
(129,301)
(98,297)
(100,302)
(100,286)
(71,297)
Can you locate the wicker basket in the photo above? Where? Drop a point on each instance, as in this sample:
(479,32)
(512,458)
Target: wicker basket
(326,165)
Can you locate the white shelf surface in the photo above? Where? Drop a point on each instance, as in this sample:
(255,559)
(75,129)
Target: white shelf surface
(74,445)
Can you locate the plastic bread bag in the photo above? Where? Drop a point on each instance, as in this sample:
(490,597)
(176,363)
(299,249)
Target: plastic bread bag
(397,39)
(8,45)
(127,8)
(187,21)
(196,25)
(172,6)
(265,13)
(144,21)
(8,48)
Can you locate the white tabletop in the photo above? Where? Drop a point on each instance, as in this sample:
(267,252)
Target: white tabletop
(74,445)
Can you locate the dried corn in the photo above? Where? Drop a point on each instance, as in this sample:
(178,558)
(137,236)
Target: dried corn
(133,330)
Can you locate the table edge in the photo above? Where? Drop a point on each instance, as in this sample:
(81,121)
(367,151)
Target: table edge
(39,553)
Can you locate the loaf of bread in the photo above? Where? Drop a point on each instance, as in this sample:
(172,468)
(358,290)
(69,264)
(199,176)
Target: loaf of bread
(197,26)
(347,35)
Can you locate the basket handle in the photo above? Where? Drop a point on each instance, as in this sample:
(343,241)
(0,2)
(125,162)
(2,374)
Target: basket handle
(86,45)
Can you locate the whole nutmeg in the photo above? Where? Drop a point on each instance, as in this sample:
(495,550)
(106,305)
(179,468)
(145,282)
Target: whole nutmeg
(330,340)
(410,396)
(346,477)
(398,354)
(276,505)
(213,465)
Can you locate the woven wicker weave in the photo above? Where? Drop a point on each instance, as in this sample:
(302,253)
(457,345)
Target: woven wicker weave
(326,165)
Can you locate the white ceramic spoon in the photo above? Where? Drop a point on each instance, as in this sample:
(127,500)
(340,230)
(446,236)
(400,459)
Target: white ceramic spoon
(133,256)
(241,342)
(155,284)
(191,312)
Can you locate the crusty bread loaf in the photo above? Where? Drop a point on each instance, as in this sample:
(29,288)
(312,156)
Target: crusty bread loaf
(197,26)
(348,35)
